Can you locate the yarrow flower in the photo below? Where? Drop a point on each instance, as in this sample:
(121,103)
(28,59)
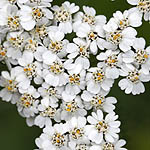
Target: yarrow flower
(139,57)
(94,35)
(117,37)
(10,18)
(88,17)
(117,145)
(30,15)
(63,16)
(98,101)
(53,138)
(62,85)
(10,90)
(97,80)
(79,48)
(111,60)
(71,107)
(76,127)
(28,103)
(100,127)
(142,8)
(126,19)
(133,81)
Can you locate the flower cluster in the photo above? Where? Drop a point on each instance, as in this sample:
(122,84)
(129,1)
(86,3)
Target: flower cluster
(56,85)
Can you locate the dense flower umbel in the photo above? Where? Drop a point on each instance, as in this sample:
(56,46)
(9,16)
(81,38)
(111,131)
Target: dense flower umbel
(56,83)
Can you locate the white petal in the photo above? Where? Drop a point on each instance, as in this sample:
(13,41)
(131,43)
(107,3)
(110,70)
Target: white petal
(133,2)
(100,115)
(28,25)
(71,47)
(48,57)
(93,87)
(139,43)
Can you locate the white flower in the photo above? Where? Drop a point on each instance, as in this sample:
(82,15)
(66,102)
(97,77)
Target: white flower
(53,138)
(133,81)
(47,113)
(31,44)
(142,7)
(126,19)
(9,17)
(140,56)
(54,72)
(72,107)
(56,43)
(80,50)
(3,55)
(117,37)
(46,3)
(89,17)
(63,16)
(53,94)
(41,31)
(76,79)
(94,35)
(97,80)
(76,129)
(117,145)
(29,16)
(111,60)
(28,70)
(15,44)
(100,127)
(28,103)
(99,101)
(10,90)
(79,146)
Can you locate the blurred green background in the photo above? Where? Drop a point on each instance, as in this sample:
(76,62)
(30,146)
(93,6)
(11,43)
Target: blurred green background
(134,111)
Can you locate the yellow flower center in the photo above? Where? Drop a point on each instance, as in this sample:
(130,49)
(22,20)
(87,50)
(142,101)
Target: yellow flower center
(74,79)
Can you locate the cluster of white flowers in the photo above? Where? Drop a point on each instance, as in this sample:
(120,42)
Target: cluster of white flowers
(56,85)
